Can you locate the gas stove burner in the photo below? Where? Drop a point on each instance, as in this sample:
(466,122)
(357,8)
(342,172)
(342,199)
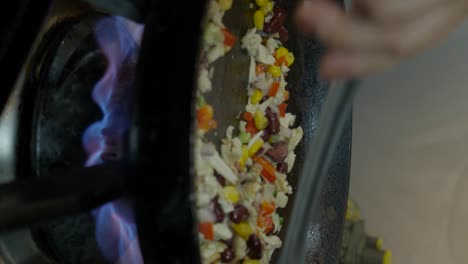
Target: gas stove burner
(65,68)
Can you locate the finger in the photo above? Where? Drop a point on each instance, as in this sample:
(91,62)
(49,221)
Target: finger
(384,11)
(424,32)
(341,64)
(332,26)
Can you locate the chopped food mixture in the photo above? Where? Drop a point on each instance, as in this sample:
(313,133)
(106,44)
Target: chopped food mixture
(240,186)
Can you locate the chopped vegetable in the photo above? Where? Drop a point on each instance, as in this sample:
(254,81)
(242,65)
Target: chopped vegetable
(265,222)
(244,137)
(205,118)
(261,122)
(261,3)
(267,7)
(274,89)
(243,229)
(229,39)
(244,157)
(281,52)
(259,68)
(286,95)
(256,96)
(259,19)
(289,59)
(231,193)
(282,109)
(207,230)
(248,116)
(268,170)
(267,208)
(251,128)
(274,71)
(255,146)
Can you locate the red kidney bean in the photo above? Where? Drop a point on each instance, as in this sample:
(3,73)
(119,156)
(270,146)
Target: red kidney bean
(282,167)
(276,22)
(220,178)
(283,34)
(218,210)
(227,255)
(266,135)
(273,121)
(278,151)
(254,247)
(239,214)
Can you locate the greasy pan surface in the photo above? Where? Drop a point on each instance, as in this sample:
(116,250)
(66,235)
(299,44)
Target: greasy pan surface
(164,202)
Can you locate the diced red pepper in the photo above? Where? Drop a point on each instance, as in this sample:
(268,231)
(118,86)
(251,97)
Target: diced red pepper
(207,230)
(266,223)
(229,39)
(259,68)
(251,128)
(248,116)
(282,109)
(268,170)
(274,89)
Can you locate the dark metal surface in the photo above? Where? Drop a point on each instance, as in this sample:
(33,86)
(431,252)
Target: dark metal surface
(19,25)
(161,136)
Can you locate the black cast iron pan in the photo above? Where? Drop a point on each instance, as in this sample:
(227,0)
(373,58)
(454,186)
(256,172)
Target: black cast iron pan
(166,223)
(159,178)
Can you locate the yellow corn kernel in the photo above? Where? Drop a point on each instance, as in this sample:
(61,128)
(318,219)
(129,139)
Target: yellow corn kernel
(261,122)
(281,52)
(289,59)
(251,261)
(231,193)
(243,229)
(255,147)
(244,157)
(259,19)
(261,3)
(225,4)
(274,71)
(256,96)
(267,7)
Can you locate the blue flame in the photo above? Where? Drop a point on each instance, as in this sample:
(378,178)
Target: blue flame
(118,39)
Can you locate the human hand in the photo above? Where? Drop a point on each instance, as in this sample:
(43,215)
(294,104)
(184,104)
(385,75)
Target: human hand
(376,33)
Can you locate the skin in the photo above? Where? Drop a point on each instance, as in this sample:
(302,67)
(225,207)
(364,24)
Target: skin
(376,34)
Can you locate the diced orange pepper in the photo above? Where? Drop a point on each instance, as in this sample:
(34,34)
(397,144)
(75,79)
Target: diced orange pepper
(229,39)
(251,128)
(259,68)
(265,222)
(282,109)
(205,117)
(207,230)
(274,89)
(248,116)
(286,95)
(267,208)
(268,170)
(281,61)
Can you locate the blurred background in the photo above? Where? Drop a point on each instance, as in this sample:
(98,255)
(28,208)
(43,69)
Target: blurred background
(410,155)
